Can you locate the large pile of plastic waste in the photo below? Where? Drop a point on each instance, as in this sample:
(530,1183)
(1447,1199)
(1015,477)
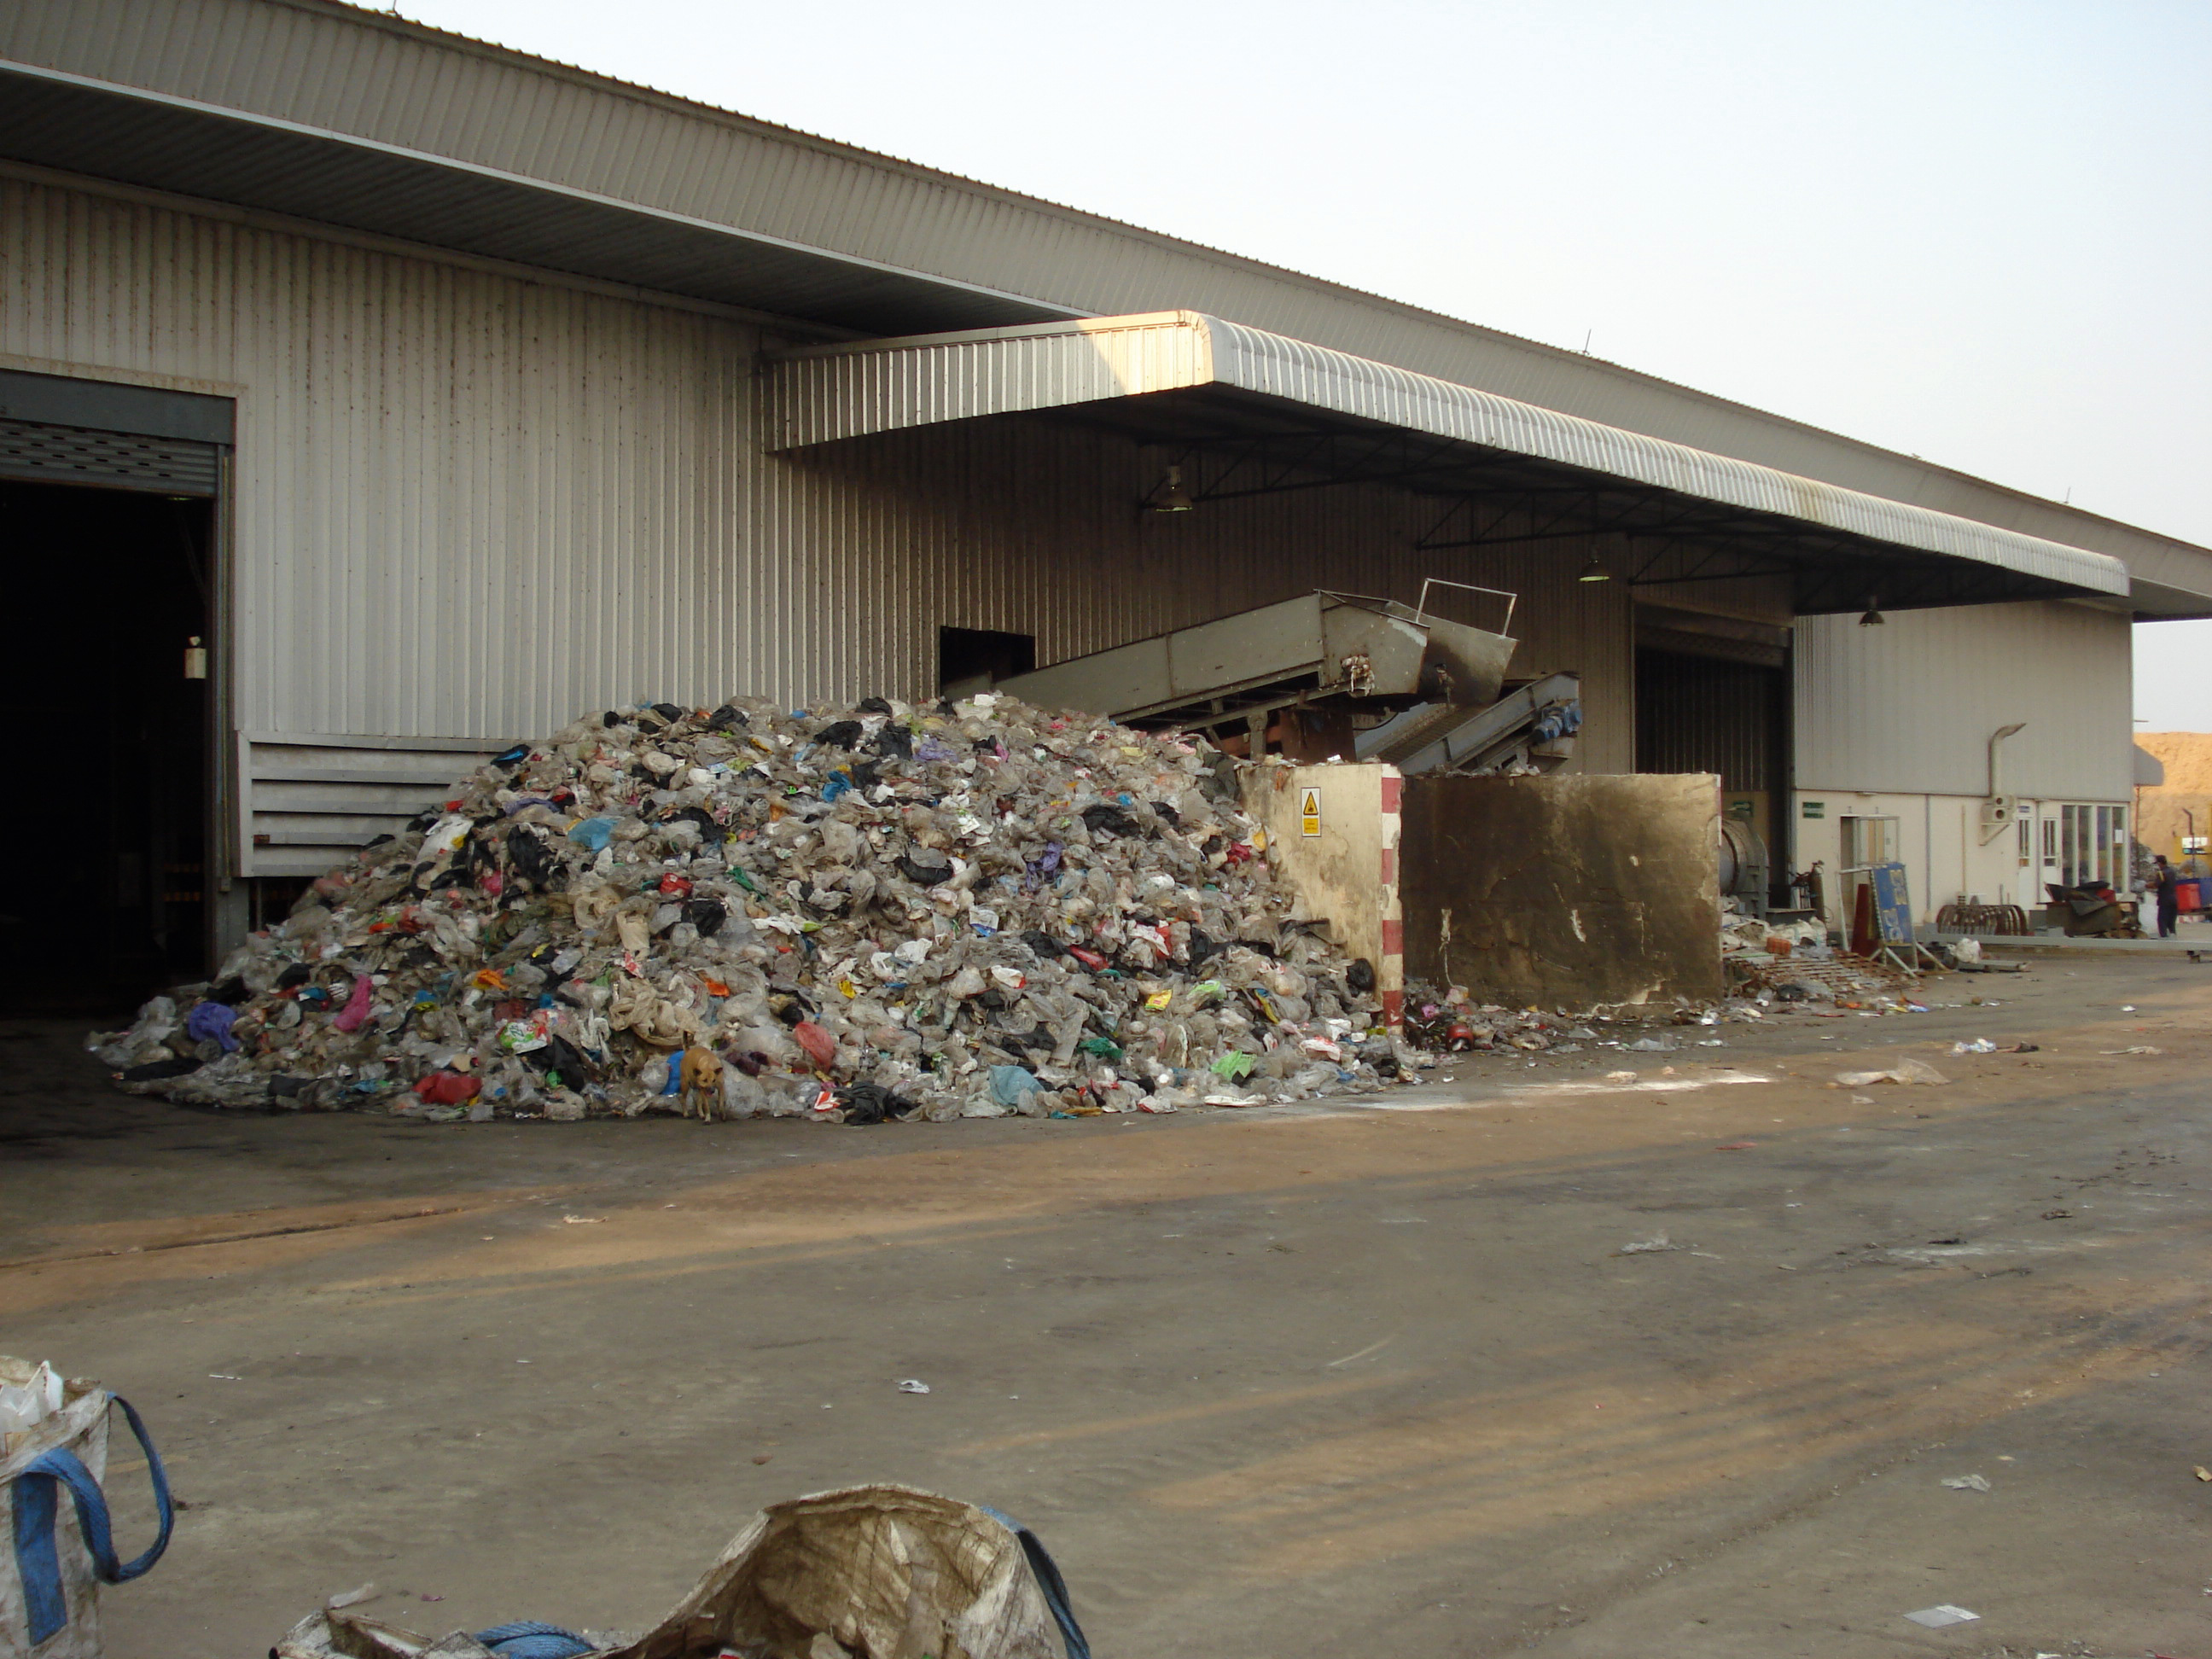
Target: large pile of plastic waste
(963,910)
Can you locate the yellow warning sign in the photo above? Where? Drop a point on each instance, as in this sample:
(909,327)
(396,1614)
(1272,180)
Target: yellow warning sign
(1310,812)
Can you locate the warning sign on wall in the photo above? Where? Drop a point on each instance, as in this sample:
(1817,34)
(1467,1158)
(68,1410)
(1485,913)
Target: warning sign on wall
(1310,812)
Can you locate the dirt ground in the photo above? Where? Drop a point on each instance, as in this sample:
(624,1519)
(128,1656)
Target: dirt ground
(1328,1379)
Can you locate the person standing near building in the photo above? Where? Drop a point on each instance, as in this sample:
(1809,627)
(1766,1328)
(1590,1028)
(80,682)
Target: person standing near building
(2164,880)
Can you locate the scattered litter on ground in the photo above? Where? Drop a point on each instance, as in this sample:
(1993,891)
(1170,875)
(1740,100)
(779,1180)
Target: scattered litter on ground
(2138,1049)
(1978,1046)
(860,915)
(1966,1483)
(353,1598)
(583,1220)
(1906,1070)
(1943,1614)
(1652,1246)
(1735,1145)
(2203,1473)
(913,1385)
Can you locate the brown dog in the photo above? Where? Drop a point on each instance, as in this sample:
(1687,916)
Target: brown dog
(702,1084)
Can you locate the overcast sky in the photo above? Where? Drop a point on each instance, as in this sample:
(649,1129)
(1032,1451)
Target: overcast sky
(1977,233)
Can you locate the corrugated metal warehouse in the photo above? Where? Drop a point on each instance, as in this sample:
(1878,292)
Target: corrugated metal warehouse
(438,394)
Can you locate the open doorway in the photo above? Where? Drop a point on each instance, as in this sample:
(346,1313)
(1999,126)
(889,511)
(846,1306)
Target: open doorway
(1722,713)
(971,659)
(110,588)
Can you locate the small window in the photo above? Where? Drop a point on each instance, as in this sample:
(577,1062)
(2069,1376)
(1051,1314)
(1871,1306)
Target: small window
(971,659)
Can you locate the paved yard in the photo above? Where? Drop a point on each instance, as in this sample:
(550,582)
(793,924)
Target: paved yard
(1352,1380)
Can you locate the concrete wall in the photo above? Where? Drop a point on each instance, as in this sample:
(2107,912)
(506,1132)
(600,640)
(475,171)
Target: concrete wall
(1564,892)
(1340,858)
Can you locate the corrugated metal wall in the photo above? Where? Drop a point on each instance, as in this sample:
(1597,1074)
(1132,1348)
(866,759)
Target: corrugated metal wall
(466,506)
(1705,715)
(472,507)
(1908,708)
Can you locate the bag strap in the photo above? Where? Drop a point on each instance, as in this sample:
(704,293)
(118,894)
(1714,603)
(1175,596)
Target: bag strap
(37,1498)
(531,1638)
(1049,1580)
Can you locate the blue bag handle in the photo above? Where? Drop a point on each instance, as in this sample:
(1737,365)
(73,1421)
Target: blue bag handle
(531,1638)
(37,1498)
(1049,1580)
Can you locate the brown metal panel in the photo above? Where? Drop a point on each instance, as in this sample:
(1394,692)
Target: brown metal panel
(1700,714)
(1563,891)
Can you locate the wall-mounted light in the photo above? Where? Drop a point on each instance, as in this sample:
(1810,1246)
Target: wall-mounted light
(1594,572)
(1874,619)
(1171,497)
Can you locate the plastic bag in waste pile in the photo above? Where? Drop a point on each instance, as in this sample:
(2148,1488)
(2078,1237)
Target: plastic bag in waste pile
(867,1572)
(867,916)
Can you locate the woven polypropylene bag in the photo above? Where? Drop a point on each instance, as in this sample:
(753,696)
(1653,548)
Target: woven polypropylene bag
(888,1572)
(881,1572)
(56,1550)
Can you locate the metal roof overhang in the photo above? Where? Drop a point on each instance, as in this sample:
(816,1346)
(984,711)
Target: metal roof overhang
(1266,414)
(137,137)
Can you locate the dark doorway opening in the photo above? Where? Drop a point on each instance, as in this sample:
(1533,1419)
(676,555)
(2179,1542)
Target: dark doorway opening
(109,589)
(973,659)
(1708,713)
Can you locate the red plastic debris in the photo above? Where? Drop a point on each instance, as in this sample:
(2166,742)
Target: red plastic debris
(448,1088)
(816,1041)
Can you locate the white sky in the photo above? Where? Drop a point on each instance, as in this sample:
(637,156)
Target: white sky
(1977,233)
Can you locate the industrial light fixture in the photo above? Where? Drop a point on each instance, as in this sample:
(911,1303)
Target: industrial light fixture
(1874,619)
(1171,497)
(1595,572)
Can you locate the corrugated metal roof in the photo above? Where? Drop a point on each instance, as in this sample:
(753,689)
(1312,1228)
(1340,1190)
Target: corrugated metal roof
(945,251)
(57,119)
(823,393)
